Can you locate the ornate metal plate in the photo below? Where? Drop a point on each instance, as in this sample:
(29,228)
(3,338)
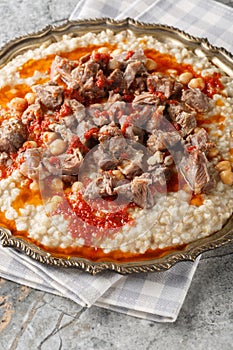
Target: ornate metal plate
(219,56)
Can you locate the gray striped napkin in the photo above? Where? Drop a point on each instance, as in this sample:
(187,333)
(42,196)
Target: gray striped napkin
(154,296)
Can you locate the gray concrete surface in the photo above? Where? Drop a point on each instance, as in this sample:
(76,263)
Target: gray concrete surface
(30,319)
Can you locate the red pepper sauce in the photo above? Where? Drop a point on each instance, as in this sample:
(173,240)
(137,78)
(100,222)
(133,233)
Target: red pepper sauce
(87,222)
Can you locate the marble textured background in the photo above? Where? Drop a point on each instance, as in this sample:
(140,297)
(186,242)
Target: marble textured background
(31,319)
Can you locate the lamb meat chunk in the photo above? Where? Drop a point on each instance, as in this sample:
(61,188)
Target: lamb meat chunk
(194,167)
(70,163)
(113,97)
(131,71)
(156,120)
(91,90)
(32,113)
(183,117)
(64,164)
(156,142)
(98,114)
(165,84)
(146,98)
(139,85)
(102,186)
(83,72)
(195,99)
(61,68)
(200,140)
(13,133)
(49,94)
(130,168)
(134,133)
(142,194)
(103,158)
(124,191)
(78,110)
(160,175)
(102,59)
(91,69)
(83,127)
(109,131)
(187,121)
(116,81)
(117,109)
(107,162)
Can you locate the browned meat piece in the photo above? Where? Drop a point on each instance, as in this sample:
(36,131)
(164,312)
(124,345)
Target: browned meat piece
(131,71)
(186,119)
(139,84)
(195,99)
(64,164)
(91,69)
(116,81)
(124,192)
(13,133)
(61,68)
(32,113)
(113,97)
(83,127)
(49,94)
(109,131)
(160,175)
(161,140)
(200,140)
(102,186)
(165,84)
(157,120)
(98,114)
(77,109)
(146,98)
(84,72)
(194,167)
(134,133)
(131,168)
(156,141)
(142,195)
(102,59)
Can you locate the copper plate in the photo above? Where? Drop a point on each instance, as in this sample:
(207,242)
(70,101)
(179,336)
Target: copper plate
(200,46)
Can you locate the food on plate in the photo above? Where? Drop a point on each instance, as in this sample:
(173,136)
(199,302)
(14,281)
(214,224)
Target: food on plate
(114,146)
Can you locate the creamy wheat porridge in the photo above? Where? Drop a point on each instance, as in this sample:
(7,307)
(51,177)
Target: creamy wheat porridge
(115,142)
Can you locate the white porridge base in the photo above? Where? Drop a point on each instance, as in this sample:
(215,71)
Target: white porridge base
(170,222)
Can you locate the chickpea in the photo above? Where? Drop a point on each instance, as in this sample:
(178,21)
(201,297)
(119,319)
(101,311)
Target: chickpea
(34,186)
(118,174)
(113,64)
(224,165)
(56,184)
(171,71)
(103,49)
(77,186)
(116,52)
(196,83)
(30,144)
(226,177)
(150,64)
(30,97)
(18,104)
(185,77)
(213,152)
(49,137)
(57,147)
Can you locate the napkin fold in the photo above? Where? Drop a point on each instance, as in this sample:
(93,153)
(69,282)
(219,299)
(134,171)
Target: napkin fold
(154,296)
